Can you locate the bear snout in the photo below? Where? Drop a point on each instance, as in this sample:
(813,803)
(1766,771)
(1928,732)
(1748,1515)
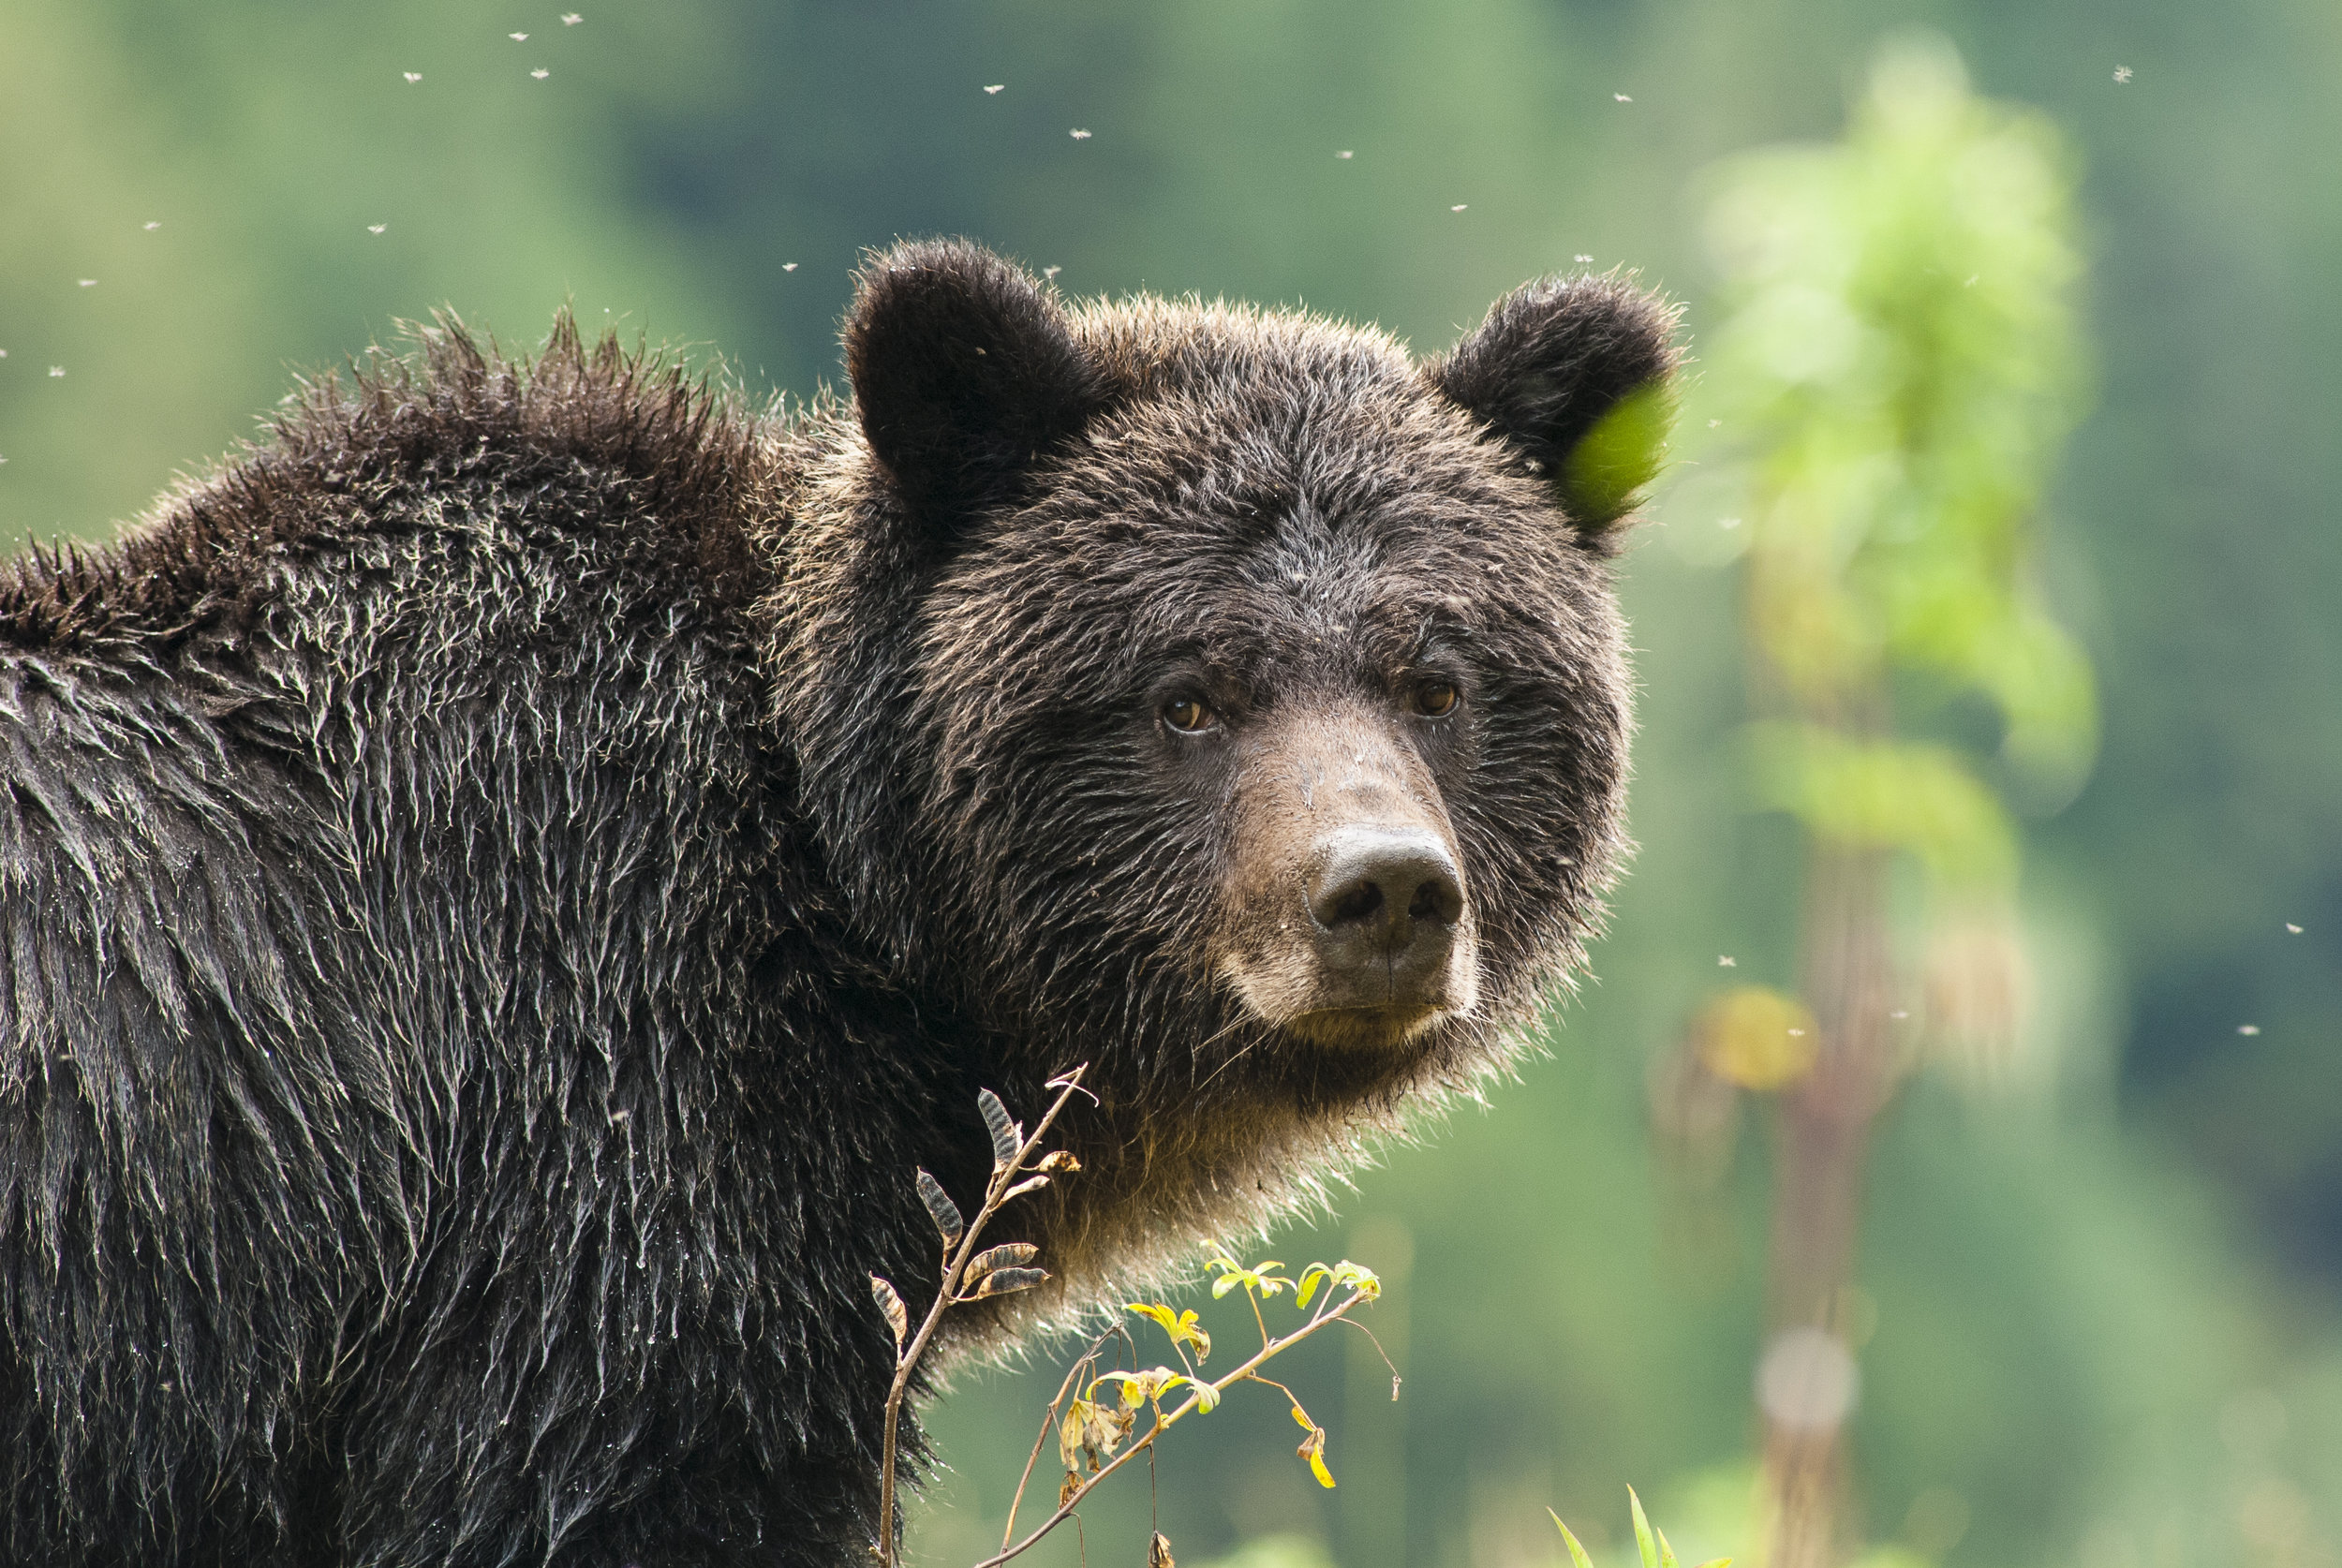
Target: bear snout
(1354,925)
(1384,903)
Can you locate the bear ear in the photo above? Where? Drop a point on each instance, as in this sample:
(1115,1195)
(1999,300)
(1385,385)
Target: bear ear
(964,371)
(1575,374)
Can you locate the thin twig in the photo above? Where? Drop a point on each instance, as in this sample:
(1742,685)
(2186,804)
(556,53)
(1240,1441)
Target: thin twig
(1048,1423)
(996,1192)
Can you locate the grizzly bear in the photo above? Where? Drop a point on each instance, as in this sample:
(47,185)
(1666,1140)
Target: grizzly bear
(501,885)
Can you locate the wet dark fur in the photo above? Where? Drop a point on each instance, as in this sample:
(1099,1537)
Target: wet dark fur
(499,886)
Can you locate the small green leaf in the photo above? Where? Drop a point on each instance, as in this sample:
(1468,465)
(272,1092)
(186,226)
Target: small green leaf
(1576,1553)
(1643,1542)
(1667,1553)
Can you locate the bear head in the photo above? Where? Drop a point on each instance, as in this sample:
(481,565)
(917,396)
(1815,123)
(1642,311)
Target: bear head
(1220,695)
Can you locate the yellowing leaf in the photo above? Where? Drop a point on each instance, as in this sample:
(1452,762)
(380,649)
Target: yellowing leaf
(1256,1279)
(1313,1449)
(1091,1431)
(1182,1328)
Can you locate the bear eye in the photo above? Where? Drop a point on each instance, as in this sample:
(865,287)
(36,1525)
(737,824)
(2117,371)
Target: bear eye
(1436,699)
(1188,715)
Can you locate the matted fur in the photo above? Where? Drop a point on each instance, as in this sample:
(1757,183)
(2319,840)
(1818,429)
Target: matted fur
(500,885)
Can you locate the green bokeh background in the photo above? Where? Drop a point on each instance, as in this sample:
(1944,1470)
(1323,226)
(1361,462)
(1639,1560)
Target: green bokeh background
(2106,1327)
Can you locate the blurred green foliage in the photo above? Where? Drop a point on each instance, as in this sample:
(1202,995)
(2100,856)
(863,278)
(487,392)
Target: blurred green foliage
(1897,369)
(2104,1320)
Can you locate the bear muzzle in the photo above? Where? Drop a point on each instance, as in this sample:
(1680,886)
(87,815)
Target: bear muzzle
(1355,926)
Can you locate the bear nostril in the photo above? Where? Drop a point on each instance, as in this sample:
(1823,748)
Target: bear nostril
(1358,901)
(1382,885)
(1437,899)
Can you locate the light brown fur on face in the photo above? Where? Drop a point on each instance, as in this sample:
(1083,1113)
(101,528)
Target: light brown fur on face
(1318,777)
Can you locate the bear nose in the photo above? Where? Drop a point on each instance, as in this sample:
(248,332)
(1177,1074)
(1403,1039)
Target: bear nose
(1387,901)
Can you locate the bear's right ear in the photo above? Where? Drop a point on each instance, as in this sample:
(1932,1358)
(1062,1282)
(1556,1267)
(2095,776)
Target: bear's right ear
(1572,374)
(964,371)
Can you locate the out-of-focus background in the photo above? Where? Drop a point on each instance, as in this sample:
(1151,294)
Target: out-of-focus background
(2098,1316)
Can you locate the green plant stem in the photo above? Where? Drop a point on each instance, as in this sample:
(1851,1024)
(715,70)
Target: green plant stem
(1164,1423)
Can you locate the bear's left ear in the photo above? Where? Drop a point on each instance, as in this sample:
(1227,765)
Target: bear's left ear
(964,371)
(1575,374)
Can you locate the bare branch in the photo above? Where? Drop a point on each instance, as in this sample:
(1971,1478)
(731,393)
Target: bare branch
(1002,1187)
